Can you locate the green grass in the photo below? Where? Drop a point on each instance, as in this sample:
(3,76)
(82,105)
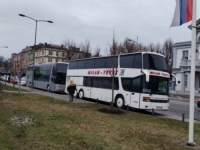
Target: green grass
(11,88)
(56,124)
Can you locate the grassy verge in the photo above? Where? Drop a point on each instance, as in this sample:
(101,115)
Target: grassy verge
(38,122)
(11,88)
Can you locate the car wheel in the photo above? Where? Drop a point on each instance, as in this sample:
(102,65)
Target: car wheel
(81,94)
(119,101)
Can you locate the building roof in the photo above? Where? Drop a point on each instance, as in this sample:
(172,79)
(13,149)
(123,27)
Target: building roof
(187,43)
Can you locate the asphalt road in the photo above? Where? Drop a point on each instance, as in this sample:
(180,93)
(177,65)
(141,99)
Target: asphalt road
(179,104)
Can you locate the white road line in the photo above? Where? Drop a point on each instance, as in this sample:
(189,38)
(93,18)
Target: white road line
(179,97)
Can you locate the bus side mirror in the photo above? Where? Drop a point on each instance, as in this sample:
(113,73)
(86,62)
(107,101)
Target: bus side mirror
(179,81)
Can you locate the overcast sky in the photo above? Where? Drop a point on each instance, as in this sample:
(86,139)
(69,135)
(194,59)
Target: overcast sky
(92,20)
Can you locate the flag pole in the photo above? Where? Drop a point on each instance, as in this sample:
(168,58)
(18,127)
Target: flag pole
(193,68)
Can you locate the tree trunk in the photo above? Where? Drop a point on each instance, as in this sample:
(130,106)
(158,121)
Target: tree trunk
(19,85)
(113,87)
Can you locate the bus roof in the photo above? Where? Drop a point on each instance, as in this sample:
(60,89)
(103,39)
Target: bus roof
(50,63)
(120,55)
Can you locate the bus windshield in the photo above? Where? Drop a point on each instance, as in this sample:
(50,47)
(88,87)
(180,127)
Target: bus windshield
(154,62)
(156,85)
(61,67)
(60,78)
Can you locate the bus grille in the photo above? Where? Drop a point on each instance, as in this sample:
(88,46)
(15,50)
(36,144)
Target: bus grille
(159,101)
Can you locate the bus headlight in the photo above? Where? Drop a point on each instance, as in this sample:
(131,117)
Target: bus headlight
(146,98)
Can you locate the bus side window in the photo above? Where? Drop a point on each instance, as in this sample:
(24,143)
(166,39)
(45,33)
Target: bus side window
(132,85)
(126,84)
(97,82)
(87,81)
(137,61)
(136,85)
(100,63)
(126,61)
(90,63)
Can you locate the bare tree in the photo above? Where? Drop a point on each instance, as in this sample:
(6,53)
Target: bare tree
(167,50)
(97,52)
(151,47)
(112,70)
(158,48)
(113,48)
(71,49)
(86,49)
(2,59)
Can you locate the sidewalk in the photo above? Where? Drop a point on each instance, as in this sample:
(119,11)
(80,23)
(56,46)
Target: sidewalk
(184,94)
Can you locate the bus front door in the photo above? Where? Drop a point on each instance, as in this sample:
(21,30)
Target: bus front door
(87,92)
(135,100)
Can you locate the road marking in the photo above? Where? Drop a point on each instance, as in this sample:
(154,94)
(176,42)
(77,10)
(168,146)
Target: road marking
(179,97)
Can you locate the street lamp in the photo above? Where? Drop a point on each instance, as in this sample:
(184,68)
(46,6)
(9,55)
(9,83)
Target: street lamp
(4,47)
(133,42)
(36,21)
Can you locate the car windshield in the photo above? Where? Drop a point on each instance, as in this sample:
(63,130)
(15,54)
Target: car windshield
(156,85)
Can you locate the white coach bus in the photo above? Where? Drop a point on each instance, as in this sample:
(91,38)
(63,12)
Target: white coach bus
(141,79)
(47,76)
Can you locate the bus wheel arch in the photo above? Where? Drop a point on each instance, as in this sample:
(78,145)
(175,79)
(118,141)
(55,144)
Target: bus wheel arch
(119,101)
(81,94)
(48,88)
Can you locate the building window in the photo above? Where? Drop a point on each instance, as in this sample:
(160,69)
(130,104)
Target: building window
(49,59)
(63,54)
(56,53)
(42,59)
(42,52)
(56,59)
(50,53)
(186,80)
(185,54)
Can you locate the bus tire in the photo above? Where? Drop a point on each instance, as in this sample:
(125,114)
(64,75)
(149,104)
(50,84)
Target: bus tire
(48,88)
(81,94)
(119,102)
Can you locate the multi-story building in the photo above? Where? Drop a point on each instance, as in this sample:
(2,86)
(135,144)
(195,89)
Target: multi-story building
(43,53)
(182,63)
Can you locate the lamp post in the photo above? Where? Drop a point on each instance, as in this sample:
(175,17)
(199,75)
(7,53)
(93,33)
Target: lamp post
(133,42)
(33,53)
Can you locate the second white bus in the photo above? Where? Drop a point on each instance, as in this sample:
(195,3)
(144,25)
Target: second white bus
(141,81)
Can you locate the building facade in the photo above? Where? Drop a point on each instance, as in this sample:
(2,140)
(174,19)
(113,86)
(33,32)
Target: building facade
(182,63)
(43,53)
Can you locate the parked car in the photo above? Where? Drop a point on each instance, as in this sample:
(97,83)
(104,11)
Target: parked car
(22,81)
(14,80)
(198,103)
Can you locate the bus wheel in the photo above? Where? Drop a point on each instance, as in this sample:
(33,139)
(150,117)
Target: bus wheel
(81,94)
(48,88)
(119,101)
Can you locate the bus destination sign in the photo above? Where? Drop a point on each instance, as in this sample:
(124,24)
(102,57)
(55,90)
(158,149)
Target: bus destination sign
(156,73)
